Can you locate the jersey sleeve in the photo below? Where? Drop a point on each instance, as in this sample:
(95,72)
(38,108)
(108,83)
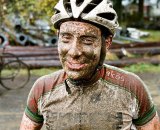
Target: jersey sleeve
(31,110)
(146,108)
(36,99)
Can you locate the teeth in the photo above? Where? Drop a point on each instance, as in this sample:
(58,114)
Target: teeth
(75,65)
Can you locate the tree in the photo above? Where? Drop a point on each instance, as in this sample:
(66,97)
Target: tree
(40,8)
(46,7)
(117,4)
(2,10)
(140,10)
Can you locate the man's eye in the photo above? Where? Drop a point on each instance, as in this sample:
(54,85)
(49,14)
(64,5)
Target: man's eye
(66,38)
(87,41)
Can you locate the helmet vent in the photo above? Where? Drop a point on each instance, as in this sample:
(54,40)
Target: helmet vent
(111,6)
(91,5)
(96,2)
(67,6)
(79,2)
(56,11)
(109,16)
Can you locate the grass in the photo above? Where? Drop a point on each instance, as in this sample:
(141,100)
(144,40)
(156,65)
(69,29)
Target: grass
(139,68)
(135,68)
(43,71)
(153,37)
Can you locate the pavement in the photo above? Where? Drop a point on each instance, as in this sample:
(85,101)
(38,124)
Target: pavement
(13,102)
(12,105)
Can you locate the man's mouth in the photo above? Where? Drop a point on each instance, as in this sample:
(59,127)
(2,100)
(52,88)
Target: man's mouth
(75,65)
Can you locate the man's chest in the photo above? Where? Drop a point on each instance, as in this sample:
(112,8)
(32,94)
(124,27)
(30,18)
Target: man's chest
(102,109)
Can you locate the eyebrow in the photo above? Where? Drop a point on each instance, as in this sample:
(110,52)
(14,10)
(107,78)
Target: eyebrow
(88,36)
(63,33)
(82,36)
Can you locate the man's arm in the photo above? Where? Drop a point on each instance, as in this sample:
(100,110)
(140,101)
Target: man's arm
(27,124)
(152,125)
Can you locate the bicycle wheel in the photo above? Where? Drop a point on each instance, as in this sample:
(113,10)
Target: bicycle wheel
(14,75)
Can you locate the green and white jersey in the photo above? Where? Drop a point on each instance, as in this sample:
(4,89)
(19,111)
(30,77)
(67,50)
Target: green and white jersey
(113,100)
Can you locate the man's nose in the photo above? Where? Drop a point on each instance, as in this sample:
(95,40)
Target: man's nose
(75,49)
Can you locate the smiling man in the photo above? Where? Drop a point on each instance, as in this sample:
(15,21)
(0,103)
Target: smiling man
(79,49)
(87,94)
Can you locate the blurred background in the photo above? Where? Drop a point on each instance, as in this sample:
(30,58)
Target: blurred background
(26,24)
(27,34)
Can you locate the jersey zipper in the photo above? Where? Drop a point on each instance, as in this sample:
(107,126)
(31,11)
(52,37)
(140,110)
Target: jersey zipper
(81,91)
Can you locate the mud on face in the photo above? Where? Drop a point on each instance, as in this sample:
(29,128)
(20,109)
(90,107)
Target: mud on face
(79,48)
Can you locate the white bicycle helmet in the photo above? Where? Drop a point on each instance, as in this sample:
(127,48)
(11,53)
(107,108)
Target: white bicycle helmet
(100,12)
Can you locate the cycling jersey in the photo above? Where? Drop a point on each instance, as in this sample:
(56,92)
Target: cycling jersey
(114,99)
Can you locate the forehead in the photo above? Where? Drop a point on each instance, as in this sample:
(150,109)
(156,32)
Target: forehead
(79,27)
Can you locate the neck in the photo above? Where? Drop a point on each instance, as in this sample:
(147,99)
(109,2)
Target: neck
(83,82)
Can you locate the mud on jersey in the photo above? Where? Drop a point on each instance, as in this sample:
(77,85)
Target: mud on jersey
(114,100)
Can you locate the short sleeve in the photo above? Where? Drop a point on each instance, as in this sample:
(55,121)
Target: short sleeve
(146,108)
(31,110)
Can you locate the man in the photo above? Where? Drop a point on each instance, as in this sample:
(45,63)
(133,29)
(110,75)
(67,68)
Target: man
(87,95)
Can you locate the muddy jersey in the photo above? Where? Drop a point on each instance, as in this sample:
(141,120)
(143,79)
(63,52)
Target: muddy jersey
(113,100)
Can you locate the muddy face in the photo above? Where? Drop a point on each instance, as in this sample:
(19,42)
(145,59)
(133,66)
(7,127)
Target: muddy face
(79,49)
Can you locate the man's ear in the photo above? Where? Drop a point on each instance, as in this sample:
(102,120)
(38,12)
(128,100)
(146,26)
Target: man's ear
(108,41)
(57,32)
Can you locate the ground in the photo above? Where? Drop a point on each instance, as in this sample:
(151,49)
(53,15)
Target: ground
(12,103)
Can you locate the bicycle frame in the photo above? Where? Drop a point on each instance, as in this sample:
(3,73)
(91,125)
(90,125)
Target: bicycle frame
(11,71)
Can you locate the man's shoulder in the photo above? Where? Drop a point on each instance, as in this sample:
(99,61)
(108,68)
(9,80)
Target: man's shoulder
(48,82)
(57,75)
(132,84)
(118,73)
(124,79)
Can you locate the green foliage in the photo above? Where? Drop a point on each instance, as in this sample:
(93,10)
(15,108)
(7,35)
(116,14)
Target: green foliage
(38,8)
(46,7)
